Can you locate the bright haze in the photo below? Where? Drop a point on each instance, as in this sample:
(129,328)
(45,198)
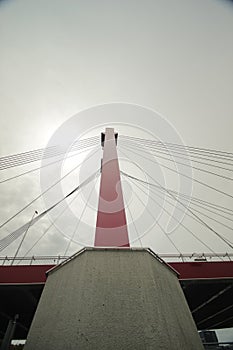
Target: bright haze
(61,57)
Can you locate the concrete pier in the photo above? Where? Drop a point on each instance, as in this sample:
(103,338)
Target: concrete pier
(107,298)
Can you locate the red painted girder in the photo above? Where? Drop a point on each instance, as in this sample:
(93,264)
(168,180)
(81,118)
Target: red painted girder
(204,270)
(32,274)
(111,226)
(23,274)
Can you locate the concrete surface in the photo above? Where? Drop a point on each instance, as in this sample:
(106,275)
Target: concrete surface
(113,299)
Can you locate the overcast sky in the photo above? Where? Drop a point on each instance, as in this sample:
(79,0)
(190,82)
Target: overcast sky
(60,57)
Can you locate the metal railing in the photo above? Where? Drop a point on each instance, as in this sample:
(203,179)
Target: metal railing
(57,259)
(218,346)
(187,257)
(32,260)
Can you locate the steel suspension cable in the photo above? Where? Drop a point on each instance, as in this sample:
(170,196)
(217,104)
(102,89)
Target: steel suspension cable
(21,242)
(180,223)
(44,166)
(157,221)
(143,183)
(211,218)
(49,188)
(204,150)
(48,228)
(14,235)
(195,200)
(184,175)
(184,156)
(230,244)
(191,203)
(204,203)
(184,164)
(80,218)
(17,160)
(52,224)
(45,151)
(183,151)
(135,228)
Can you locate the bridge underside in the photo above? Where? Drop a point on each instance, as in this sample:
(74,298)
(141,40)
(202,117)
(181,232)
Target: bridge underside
(209,298)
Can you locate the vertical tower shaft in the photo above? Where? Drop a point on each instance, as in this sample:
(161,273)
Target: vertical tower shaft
(111,226)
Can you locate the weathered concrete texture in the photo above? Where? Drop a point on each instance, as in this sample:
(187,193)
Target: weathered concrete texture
(113,299)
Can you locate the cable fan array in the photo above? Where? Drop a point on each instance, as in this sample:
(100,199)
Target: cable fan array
(37,155)
(207,162)
(203,212)
(32,156)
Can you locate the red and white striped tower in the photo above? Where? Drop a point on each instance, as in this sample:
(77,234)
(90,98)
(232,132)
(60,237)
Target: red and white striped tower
(111,225)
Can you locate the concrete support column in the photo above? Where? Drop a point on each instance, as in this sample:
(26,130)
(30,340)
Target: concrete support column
(9,334)
(115,299)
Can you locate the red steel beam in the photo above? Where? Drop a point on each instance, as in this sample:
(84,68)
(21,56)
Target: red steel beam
(204,270)
(23,274)
(111,226)
(33,274)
